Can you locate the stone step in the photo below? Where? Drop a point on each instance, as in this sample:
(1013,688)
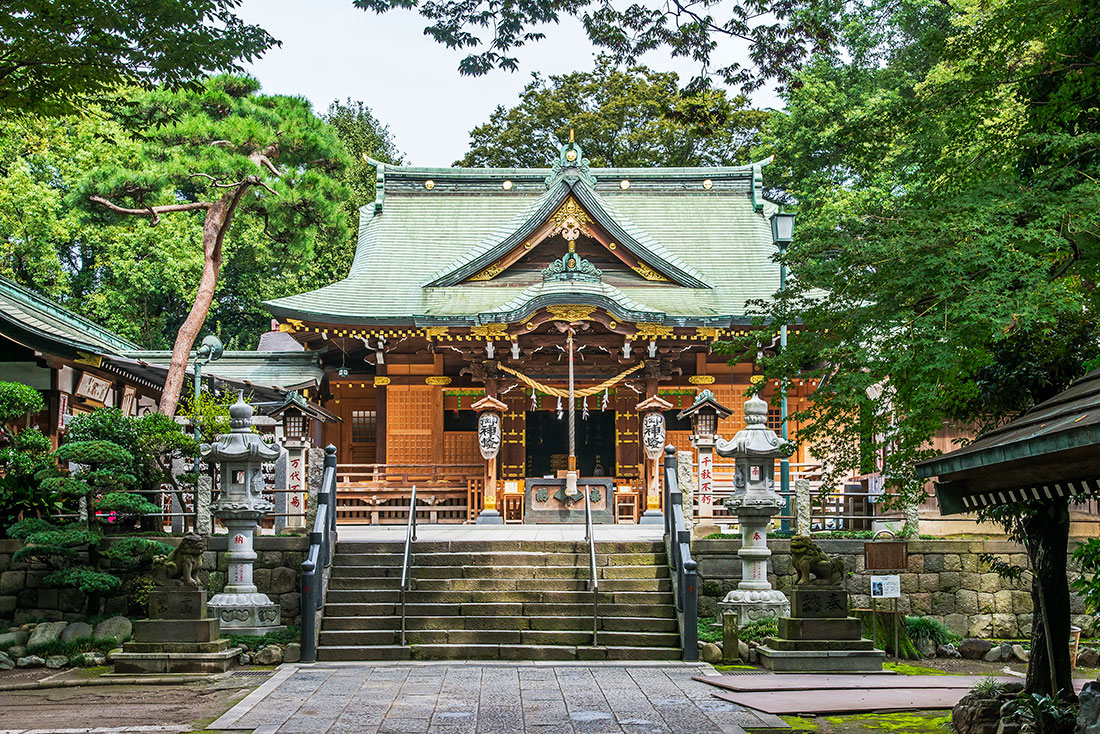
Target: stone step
(494,652)
(497,637)
(502,572)
(497,546)
(499,559)
(499,622)
(355,583)
(503,609)
(492,596)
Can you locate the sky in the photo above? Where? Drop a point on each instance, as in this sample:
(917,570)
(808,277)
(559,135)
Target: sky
(331,50)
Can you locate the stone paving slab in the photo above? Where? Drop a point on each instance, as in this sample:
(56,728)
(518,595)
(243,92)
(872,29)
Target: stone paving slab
(489,698)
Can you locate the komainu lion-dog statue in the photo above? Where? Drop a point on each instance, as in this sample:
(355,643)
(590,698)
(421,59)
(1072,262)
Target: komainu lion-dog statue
(813,566)
(179,567)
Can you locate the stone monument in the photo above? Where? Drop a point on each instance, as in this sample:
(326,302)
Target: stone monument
(819,636)
(754,450)
(240,606)
(178,636)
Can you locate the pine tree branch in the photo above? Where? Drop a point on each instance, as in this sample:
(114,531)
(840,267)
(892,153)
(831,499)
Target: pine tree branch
(153,212)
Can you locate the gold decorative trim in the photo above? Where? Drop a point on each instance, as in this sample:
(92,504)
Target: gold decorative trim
(651,330)
(571,220)
(381,380)
(571,312)
(648,273)
(490,331)
(612,325)
(490,272)
(701,379)
(291,326)
(756,379)
(429,184)
(529,325)
(438,380)
(435,331)
(706,332)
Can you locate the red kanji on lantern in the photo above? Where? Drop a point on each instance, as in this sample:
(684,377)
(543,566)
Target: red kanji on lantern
(238,539)
(295,501)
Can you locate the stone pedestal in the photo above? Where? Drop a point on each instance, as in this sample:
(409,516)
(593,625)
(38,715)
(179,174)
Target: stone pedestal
(754,598)
(820,637)
(178,637)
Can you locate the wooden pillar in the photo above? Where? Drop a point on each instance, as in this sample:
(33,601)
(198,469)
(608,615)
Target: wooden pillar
(380,383)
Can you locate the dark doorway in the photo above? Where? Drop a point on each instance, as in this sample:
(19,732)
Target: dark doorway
(548,443)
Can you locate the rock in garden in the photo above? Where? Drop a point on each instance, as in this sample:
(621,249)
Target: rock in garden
(993,655)
(6,663)
(743,650)
(245,659)
(1088,720)
(711,653)
(15,637)
(57,661)
(293,653)
(45,633)
(244,647)
(926,647)
(118,628)
(75,631)
(17,651)
(974,649)
(948,651)
(1020,653)
(754,656)
(93,659)
(1088,657)
(30,661)
(977,713)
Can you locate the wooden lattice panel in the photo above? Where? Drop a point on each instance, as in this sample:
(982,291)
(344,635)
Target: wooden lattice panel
(460,447)
(513,426)
(680,439)
(628,448)
(410,418)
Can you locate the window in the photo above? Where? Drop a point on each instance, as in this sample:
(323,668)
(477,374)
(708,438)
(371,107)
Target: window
(364,425)
(460,420)
(774,420)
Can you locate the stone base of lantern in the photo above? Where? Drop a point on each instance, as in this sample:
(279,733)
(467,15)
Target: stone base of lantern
(750,605)
(652,517)
(246,614)
(177,638)
(489,517)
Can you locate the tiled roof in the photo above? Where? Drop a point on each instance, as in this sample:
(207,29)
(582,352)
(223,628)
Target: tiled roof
(414,236)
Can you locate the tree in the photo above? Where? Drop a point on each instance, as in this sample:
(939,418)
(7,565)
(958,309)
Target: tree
(362,136)
(633,117)
(945,174)
(57,56)
(780,34)
(23,454)
(223,150)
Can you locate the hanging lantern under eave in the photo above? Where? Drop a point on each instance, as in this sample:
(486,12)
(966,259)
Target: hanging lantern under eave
(295,425)
(489,434)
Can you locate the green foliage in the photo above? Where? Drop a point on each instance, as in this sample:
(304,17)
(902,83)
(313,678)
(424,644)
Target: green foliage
(93,453)
(61,55)
(1007,571)
(17,400)
(133,548)
(988,687)
(1047,714)
(85,578)
(926,628)
(73,647)
(631,117)
(125,503)
(29,526)
(758,630)
(212,414)
(707,632)
(57,543)
(1087,584)
(137,590)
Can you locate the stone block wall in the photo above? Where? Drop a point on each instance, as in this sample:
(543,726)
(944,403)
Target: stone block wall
(945,580)
(25,596)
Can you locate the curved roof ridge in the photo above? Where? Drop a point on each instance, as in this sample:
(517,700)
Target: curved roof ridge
(535,296)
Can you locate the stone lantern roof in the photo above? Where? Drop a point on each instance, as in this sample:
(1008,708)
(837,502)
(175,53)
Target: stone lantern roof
(755,440)
(240,443)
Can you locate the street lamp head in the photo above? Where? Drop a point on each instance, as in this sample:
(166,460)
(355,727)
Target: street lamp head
(211,348)
(782,228)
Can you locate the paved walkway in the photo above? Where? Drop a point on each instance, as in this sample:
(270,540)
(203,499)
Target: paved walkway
(494,698)
(516,531)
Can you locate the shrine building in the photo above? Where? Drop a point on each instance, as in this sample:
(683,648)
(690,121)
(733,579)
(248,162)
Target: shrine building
(466,283)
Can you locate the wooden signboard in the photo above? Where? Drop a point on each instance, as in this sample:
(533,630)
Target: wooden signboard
(93,388)
(886,555)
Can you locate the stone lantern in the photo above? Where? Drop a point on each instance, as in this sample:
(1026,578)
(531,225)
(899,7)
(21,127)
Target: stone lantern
(755,501)
(240,607)
(652,410)
(705,412)
(489,435)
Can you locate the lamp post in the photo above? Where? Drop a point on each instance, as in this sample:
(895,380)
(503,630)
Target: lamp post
(754,451)
(704,413)
(489,436)
(782,235)
(652,410)
(209,350)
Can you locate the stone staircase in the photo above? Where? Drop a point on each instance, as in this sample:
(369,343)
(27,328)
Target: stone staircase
(507,600)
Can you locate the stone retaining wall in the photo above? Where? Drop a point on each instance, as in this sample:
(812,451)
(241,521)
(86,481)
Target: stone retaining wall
(24,595)
(945,580)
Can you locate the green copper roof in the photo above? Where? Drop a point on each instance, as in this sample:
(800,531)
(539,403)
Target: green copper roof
(278,370)
(701,223)
(38,323)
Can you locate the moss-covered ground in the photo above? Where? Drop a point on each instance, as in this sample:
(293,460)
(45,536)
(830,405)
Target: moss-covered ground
(906,722)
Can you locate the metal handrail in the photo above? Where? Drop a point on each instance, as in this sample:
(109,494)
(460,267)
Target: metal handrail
(593,580)
(685,579)
(410,538)
(321,545)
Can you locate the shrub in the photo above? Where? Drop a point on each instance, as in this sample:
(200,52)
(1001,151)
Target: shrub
(988,687)
(926,628)
(758,630)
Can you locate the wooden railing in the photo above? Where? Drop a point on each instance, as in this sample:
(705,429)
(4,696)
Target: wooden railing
(379,494)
